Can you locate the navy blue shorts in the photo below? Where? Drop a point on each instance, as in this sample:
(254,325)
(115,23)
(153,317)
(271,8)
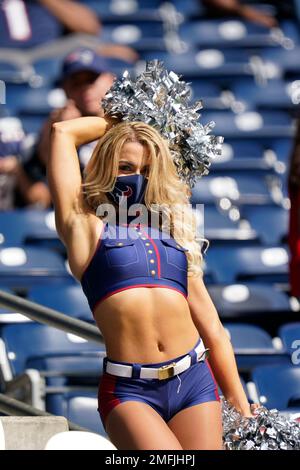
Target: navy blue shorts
(168,396)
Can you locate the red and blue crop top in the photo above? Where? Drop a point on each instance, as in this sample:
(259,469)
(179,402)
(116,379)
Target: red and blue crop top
(134,256)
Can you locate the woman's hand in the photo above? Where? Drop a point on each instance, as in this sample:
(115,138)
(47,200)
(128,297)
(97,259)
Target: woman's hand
(250,411)
(244,408)
(9,164)
(112,121)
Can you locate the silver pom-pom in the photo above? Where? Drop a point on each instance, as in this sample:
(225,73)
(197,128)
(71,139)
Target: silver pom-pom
(160,99)
(267,430)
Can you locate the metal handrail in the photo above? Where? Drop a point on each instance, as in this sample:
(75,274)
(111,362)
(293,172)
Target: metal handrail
(12,407)
(51,317)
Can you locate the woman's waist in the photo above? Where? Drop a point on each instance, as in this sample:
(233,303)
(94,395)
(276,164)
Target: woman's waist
(145,329)
(149,348)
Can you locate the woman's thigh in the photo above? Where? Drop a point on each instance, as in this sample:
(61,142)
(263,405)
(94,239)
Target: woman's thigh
(199,427)
(134,425)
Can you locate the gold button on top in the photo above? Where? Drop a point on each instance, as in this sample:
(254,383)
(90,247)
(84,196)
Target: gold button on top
(150,251)
(147,244)
(152,261)
(120,244)
(153,272)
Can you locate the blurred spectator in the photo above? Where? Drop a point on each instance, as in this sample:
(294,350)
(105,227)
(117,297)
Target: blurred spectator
(85,78)
(32,22)
(236,7)
(13,181)
(24,24)
(294,228)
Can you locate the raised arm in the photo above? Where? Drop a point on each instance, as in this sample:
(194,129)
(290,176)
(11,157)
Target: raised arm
(74,16)
(63,169)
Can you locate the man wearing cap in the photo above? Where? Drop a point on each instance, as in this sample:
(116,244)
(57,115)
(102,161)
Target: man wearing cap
(85,78)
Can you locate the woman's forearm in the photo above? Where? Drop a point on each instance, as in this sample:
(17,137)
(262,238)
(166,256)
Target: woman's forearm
(84,129)
(223,364)
(73,15)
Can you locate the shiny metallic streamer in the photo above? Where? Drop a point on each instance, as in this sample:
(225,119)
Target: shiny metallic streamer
(159,98)
(267,430)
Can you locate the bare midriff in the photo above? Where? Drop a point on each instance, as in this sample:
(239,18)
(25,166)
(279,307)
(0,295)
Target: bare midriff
(146,325)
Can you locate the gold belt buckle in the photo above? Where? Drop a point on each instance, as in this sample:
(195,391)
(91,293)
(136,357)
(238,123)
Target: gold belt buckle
(167,371)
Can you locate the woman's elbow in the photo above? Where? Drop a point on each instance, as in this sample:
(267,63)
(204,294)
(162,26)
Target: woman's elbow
(61,130)
(58,127)
(216,333)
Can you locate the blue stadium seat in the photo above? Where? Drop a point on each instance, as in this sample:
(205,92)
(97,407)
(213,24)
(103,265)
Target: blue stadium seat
(245,299)
(24,226)
(189,8)
(235,264)
(250,124)
(66,299)
(79,407)
(277,94)
(254,346)
(27,100)
(124,11)
(140,35)
(291,30)
(226,33)
(213,63)
(4,111)
(26,341)
(217,226)
(208,92)
(290,336)
(69,371)
(282,59)
(32,124)
(286,393)
(270,222)
(47,69)
(202,89)
(241,189)
(282,149)
(241,155)
(247,336)
(9,317)
(22,267)
(12,72)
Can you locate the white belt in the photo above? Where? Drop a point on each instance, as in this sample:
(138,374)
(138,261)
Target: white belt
(163,372)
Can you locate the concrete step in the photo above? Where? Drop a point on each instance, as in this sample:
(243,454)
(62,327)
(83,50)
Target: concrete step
(31,432)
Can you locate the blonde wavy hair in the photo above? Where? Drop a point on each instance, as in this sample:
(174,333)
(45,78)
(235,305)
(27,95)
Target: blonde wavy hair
(164,189)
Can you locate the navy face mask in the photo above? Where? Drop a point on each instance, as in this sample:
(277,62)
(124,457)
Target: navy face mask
(130,188)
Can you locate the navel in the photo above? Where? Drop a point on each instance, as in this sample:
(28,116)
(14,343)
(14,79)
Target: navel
(160,346)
